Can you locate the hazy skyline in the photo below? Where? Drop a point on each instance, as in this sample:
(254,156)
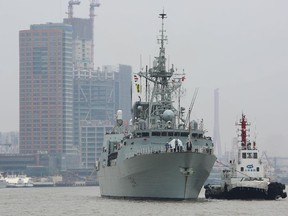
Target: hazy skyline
(240,47)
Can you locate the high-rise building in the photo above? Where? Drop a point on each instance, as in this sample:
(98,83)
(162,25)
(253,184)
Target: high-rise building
(66,106)
(82,44)
(96,100)
(98,94)
(46,89)
(9,142)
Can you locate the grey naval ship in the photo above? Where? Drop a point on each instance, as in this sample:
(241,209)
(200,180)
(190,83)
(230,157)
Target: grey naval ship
(160,154)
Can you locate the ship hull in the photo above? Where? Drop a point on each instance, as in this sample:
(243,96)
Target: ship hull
(178,175)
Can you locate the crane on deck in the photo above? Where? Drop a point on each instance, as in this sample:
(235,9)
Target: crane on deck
(187,121)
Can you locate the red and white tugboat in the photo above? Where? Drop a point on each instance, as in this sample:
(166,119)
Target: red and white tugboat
(245,178)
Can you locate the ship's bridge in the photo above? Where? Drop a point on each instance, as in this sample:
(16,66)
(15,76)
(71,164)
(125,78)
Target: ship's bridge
(248,154)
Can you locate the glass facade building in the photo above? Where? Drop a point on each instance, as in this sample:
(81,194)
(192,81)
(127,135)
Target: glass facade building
(46,89)
(96,100)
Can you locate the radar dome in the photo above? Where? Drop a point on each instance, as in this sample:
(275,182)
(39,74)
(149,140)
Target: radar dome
(168,115)
(194,125)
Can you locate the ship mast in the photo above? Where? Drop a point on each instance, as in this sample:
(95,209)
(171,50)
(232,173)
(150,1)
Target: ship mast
(243,123)
(158,73)
(163,85)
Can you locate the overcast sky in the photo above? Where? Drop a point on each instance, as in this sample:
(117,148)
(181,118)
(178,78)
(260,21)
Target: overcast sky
(240,47)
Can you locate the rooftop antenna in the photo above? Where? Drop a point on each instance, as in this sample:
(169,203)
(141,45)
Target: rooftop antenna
(71,3)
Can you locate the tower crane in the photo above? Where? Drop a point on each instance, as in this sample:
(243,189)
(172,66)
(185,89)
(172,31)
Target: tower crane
(71,3)
(93,4)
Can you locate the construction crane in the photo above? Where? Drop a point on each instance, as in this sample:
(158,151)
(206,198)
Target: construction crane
(93,4)
(71,3)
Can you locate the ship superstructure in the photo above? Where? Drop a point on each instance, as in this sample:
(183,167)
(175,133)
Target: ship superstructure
(159,155)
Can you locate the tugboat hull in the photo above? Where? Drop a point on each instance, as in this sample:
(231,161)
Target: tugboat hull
(275,190)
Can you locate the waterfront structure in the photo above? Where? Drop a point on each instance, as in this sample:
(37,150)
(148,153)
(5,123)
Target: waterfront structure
(91,140)
(46,91)
(96,99)
(96,92)
(9,142)
(82,45)
(83,38)
(60,91)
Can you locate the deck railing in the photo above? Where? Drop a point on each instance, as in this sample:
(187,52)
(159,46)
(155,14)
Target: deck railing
(164,150)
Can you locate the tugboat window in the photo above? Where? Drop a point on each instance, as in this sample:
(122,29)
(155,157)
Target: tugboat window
(243,155)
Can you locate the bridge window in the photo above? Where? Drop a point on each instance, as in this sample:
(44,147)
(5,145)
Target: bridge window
(184,134)
(145,134)
(170,133)
(258,169)
(176,134)
(242,169)
(243,155)
(194,135)
(156,133)
(164,133)
(254,155)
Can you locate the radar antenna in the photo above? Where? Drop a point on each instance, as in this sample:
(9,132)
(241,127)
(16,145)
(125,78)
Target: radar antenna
(187,121)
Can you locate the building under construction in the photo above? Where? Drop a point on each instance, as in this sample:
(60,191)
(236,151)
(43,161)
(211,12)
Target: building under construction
(96,100)
(66,106)
(97,94)
(83,38)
